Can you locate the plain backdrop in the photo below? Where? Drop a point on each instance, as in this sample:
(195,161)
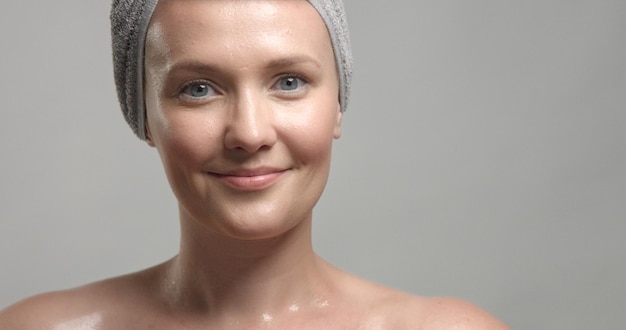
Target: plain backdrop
(483,156)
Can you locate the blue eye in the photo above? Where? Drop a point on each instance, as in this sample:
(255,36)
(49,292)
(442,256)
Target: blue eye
(198,90)
(290,83)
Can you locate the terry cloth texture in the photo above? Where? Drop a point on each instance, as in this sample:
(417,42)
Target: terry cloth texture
(129,25)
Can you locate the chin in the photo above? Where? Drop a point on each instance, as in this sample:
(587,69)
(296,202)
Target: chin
(254,222)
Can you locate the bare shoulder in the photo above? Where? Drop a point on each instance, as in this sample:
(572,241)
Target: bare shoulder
(85,307)
(394,309)
(382,307)
(47,311)
(454,313)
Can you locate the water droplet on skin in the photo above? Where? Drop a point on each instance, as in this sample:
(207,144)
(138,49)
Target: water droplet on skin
(87,322)
(267,317)
(321,303)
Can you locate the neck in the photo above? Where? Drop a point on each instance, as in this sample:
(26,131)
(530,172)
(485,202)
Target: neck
(216,274)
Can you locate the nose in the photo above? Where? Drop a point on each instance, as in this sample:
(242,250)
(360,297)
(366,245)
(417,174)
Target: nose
(251,125)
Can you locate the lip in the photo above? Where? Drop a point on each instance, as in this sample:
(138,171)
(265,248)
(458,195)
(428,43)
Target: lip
(249,179)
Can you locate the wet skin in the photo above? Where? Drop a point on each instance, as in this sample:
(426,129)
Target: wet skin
(242,107)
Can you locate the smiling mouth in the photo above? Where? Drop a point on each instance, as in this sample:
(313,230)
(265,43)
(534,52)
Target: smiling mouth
(249,180)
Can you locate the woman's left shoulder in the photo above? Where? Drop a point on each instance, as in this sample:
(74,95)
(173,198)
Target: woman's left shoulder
(382,307)
(414,312)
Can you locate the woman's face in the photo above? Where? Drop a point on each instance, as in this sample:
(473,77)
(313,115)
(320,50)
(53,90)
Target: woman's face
(242,106)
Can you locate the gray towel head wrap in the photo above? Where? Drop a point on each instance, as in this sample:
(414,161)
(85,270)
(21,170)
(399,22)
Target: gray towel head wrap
(129,25)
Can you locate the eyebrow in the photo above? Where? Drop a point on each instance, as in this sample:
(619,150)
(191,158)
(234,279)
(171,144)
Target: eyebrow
(288,61)
(293,60)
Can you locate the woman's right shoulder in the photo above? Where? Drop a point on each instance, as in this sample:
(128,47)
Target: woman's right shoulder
(45,311)
(85,307)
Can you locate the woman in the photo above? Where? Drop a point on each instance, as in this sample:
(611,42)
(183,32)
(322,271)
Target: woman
(243,100)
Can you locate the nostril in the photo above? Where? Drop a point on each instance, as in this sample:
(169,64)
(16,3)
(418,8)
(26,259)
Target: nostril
(250,136)
(251,126)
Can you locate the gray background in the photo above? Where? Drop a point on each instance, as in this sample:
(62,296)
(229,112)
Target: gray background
(483,156)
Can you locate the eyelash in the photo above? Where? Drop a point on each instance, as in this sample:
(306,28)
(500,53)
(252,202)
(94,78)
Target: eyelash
(184,96)
(299,90)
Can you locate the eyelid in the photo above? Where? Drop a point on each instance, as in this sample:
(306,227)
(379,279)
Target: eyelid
(188,98)
(293,75)
(306,84)
(195,82)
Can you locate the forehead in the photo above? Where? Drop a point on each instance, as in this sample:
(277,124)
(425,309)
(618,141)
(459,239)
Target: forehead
(188,27)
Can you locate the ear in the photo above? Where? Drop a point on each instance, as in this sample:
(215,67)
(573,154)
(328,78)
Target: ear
(149,135)
(337,129)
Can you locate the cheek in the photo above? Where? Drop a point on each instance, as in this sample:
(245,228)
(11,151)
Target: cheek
(313,134)
(184,140)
